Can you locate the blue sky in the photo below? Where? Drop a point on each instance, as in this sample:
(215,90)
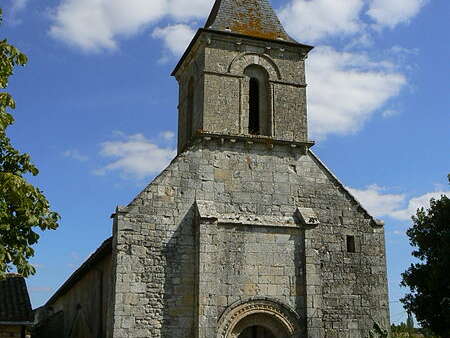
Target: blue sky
(97,109)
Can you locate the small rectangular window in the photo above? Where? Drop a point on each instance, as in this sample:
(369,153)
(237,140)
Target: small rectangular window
(351,244)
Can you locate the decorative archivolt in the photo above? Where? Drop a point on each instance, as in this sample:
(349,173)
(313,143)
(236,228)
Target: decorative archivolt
(272,314)
(243,60)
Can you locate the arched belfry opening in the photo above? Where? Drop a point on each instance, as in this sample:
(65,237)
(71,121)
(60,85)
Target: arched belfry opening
(259,101)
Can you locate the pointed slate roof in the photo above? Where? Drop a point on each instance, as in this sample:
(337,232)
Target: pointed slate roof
(248,17)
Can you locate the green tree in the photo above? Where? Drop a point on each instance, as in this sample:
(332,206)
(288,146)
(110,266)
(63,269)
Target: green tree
(429,280)
(23,207)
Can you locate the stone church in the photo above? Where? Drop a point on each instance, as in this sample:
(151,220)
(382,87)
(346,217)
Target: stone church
(246,234)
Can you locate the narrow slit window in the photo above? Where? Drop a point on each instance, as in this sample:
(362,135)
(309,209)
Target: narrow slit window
(254,107)
(351,244)
(190,110)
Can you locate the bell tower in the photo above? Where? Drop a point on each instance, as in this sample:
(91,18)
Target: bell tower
(243,76)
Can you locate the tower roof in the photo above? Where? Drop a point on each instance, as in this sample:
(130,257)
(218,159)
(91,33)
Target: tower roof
(248,17)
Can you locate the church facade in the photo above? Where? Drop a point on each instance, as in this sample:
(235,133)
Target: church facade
(246,233)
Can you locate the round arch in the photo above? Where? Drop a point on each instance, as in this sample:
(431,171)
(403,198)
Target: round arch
(243,60)
(279,319)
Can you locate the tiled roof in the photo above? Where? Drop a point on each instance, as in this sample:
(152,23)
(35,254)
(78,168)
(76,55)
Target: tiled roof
(15,303)
(248,17)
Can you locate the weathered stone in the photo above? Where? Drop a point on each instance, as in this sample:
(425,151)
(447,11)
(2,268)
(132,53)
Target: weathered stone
(246,226)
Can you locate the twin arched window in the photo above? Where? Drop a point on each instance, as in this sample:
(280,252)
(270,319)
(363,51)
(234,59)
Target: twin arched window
(259,121)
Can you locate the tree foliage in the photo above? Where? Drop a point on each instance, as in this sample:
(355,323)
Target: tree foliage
(23,207)
(429,280)
(403,331)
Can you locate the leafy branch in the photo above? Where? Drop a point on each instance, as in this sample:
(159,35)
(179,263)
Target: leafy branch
(23,207)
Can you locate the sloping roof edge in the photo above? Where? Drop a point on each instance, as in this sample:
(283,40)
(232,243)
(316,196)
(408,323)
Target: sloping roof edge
(376,223)
(103,250)
(213,13)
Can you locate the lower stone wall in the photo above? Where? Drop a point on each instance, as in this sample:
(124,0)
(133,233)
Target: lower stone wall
(260,261)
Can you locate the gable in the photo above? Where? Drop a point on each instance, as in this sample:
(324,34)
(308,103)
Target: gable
(376,223)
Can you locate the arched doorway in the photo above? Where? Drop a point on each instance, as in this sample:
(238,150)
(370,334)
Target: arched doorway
(259,318)
(260,325)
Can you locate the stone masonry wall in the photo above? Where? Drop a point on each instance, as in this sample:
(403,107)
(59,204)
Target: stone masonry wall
(260,260)
(157,289)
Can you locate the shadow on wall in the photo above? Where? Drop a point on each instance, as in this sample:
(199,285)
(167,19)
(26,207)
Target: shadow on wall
(179,267)
(51,327)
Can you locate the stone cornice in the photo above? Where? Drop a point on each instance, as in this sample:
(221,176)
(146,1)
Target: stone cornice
(269,141)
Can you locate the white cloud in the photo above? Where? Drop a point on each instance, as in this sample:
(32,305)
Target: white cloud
(313,20)
(397,206)
(390,13)
(389,113)
(310,21)
(75,154)
(135,156)
(176,37)
(93,25)
(376,202)
(168,135)
(186,9)
(416,203)
(346,89)
(400,50)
